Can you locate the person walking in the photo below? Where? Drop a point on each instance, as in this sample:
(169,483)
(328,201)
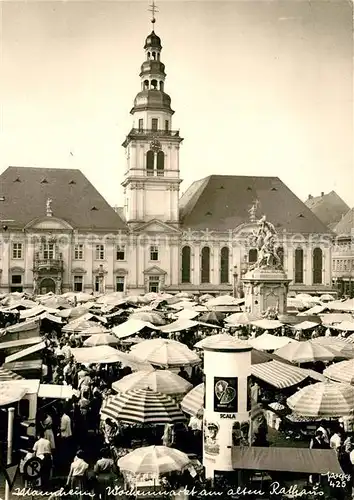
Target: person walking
(104,470)
(77,477)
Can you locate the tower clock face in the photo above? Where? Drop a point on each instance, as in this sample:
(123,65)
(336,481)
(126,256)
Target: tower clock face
(155,145)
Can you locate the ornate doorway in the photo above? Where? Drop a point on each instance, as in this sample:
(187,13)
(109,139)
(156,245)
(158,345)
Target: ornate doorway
(47,285)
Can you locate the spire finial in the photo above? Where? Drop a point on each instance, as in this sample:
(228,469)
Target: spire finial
(153,9)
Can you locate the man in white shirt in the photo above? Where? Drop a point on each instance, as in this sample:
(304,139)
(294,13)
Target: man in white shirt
(335,441)
(43,450)
(65,441)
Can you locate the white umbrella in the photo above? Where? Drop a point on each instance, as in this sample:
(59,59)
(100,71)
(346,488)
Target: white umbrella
(162,381)
(101,339)
(166,353)
(155,460)
(266,341)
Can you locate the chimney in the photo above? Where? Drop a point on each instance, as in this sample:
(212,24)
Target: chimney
(322,194)
(310,196)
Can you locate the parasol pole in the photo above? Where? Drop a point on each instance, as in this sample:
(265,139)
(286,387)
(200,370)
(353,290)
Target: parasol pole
(10,433)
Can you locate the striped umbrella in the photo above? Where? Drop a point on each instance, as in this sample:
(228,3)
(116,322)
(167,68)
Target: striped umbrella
(166,353)
(306,352)
(162,381)
(339,344)
(143,406)
(154,460)
(325,399)
(193,402)
(341,372)
(6,375)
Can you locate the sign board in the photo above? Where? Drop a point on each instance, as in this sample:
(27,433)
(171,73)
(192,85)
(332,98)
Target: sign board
(32,468)
(10,472)
(225,394)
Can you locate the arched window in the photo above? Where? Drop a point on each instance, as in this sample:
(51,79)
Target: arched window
(280,254)
(161,86)
(205,275)
(299,265)
(154,84)
(146,84)
(150,163)
(154,55)
(252,256)
(186,264)
(224,265)
(148,55)
(160,163)
(317,266)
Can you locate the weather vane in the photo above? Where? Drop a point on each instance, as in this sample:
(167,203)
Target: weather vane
(153,9)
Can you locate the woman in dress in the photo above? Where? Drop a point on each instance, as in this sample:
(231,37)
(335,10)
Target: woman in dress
(47,425)
(105,471)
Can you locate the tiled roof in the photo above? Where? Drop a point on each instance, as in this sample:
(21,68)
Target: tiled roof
(222,202)
(329,208)
(25,190)
(346,224)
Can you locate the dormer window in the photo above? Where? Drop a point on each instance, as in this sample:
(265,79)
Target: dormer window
(17,179)
(44,181)
(94,209)
(72,182)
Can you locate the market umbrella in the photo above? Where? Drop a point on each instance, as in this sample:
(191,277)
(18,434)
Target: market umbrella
(150,317)
(96,329)
(137,299)
(345,326)
(340,345)
(83,297)
(341,372)
(10,393)
(162,381)
(267,341)
(324,399)
(101,339)
(326,297)
(305,325)
(166,353)
(306,352)
(240,318)
(267,324)
(155,460)
(212,317)
(143,406)
(193,402)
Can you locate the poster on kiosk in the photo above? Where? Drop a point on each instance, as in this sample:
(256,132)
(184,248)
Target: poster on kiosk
(227,405)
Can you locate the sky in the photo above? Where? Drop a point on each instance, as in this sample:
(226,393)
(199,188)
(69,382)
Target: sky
(259,88)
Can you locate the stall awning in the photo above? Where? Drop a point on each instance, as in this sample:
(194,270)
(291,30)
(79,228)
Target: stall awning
(26,326)
(25,352)
(279,375)
(22,366)
(286,460)
(131,327)
(52,391)
(19,343)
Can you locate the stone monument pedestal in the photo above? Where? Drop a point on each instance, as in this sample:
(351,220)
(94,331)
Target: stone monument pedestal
(265,289)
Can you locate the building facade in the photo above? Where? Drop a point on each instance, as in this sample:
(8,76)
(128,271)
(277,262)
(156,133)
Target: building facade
(59,234)
(343,255)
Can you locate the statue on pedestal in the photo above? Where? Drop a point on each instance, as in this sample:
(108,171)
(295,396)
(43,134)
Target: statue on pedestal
(265,242)
(49,211)
(58,286)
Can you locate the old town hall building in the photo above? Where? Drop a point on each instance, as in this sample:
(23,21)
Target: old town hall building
(59,234)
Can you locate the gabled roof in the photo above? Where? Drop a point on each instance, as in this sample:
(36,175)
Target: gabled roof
(74,199)
(329,208)
(222,202)
(346,224)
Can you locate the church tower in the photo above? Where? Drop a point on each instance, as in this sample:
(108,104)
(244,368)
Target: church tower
(151,182)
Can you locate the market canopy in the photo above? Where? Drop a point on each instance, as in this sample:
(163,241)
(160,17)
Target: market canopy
(298,460)
(163,381)
(305,325)
(131,327)
(267,324)
(51,391)
(341,372)
(25,352)
(307,352)
(106,354)
(10,393)
(166,353)
(345,326)
(267,341)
